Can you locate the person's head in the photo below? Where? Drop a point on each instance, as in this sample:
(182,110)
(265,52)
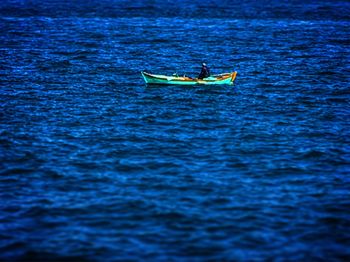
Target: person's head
(204,64)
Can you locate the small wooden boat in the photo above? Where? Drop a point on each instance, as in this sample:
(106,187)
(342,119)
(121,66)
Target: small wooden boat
(222,79)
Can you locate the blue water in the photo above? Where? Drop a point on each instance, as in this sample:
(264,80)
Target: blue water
(97,166)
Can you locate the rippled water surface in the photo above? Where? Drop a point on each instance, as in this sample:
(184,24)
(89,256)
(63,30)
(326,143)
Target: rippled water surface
(95,165)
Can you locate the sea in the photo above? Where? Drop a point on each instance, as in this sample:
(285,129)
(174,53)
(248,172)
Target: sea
(95,165)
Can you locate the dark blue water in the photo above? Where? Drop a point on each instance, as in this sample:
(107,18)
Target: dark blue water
(97,166)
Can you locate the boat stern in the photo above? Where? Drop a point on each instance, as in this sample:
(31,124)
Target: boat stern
(233,77)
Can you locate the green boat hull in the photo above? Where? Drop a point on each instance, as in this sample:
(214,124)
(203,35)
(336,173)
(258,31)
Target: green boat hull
(222,79)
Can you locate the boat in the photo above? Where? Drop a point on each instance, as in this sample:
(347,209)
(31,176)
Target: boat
(222,79)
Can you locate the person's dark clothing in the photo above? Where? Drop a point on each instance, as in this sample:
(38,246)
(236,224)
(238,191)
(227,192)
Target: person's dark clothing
(204,72)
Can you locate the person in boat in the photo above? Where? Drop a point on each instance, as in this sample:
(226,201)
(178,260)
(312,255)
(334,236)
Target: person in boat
(205,72)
